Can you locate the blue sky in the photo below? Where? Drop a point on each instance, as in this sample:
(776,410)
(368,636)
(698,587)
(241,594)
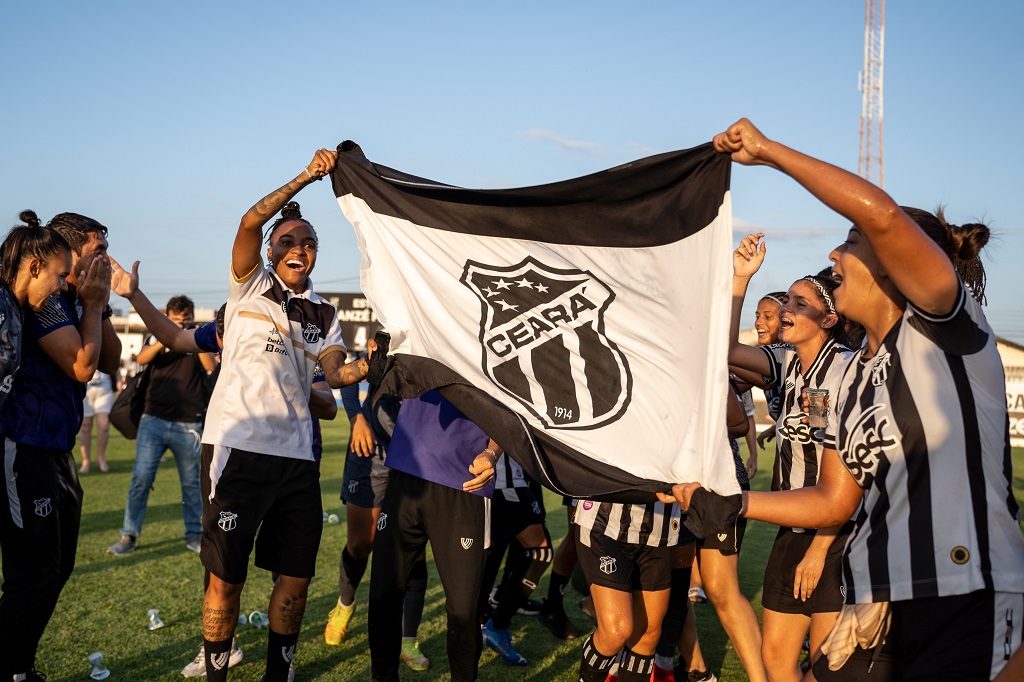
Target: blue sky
(167,121)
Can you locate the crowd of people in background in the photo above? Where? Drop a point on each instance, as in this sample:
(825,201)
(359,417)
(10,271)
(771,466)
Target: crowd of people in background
(877,569)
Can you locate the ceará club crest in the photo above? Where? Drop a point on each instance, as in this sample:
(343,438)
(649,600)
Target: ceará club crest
(543,342)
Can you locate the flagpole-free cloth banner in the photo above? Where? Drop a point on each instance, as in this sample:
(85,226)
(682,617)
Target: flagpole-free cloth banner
(581,324)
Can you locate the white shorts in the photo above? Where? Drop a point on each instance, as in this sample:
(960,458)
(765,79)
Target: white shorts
(98,400)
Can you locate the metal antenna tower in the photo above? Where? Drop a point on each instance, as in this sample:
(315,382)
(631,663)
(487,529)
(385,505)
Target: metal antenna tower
(870,165)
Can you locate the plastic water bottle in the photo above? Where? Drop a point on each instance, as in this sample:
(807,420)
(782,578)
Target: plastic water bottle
(242,619)
(99,672)
(258,619)
(154,620)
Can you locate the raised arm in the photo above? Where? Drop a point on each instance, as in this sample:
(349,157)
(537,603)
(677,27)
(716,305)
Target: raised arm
(746,261)
(914,263)
(169,334)
(245,254)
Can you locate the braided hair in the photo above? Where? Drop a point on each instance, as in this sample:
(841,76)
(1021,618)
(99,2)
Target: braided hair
(291,211)
(961,243)
(30,240)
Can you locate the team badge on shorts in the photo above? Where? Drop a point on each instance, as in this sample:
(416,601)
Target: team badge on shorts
(228,521)
(467,543)
(382,521)
(535,507)
(43,507)
(608,565)
(722,537)
(543,342)
(353,486)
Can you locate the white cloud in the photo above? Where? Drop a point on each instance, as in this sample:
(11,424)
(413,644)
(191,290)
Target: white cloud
(574,146)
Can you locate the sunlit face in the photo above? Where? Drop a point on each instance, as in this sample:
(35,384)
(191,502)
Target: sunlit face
(46,279)
(292,251)
(181,318)
(766,322)
(855,267)
(802,318)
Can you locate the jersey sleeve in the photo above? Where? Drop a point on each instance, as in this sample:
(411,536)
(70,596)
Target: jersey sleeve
(333,340)
(776,354)
(205,337)
(961,331)
(52,317)
(350,400)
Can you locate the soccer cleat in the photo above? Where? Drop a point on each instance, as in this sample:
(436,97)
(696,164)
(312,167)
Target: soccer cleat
(694,675)
(197,668)
(123,546)
(194,542)
(291,674)
(531,607)
(412,656)
(31,676)
(555,620)
(500,641)
(697,595)
(662,675)
(337,623)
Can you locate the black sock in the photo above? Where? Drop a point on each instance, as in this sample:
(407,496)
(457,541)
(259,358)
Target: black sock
(522,581)
(634,667)
(350,573)
(593,664)
(556,589)
(280,652)
(217,654)
(675,617)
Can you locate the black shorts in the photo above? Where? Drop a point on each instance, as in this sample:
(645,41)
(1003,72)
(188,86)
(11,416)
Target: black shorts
(366,479)
(787,553)
(514,510)
(624,567)
(727,540)
(272,502)
(962,637)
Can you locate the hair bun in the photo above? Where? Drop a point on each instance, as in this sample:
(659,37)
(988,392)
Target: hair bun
(29,217)
(291,211)
(968,240)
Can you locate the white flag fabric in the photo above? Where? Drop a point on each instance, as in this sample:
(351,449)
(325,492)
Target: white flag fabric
(581,324)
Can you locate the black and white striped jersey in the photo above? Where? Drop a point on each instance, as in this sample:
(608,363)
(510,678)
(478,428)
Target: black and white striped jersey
(798,446)
(508,476)
(775,391)
(922,426)
(654,525)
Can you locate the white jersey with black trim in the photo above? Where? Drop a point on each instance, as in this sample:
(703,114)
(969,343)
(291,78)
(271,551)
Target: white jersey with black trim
(273,340)
(654,525)
(798,446)
(922,426)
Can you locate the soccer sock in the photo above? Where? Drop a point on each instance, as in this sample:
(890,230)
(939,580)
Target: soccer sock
(675,617)
(634,667)
(217,654)
(350,573)
(522,581)
(280,652)
(556,589)
(593,664)
(415,593)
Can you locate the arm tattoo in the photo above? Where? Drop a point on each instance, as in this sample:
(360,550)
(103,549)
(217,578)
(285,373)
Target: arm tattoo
(266,207)
(354,371)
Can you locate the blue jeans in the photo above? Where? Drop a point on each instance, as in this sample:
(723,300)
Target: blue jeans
(155,437)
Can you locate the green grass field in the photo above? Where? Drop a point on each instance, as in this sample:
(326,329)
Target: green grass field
(103,608)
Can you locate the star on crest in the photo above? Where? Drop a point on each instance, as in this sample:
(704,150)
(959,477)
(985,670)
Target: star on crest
(506,306)
(502,284)
(524,283)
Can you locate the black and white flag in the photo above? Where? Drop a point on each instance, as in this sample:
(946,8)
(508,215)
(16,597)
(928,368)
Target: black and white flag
(581,324)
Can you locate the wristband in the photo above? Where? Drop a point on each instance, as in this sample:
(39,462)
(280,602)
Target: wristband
(308,174)
(493,453)
(108,312)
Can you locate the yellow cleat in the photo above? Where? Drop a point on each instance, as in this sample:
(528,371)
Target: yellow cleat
(337,623)
(412,656)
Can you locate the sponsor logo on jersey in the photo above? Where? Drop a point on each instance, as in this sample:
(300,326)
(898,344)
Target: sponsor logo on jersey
(228,521)
(867,443)
(466,543)
(794,429)
(382,522)
(43,507)
(588,505)
(543,342)
(608,565)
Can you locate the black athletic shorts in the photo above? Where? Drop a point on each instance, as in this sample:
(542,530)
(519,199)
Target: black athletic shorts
(963,637)
(787,553)
(624,567)
(272,502)
(366,479)
(513,510)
